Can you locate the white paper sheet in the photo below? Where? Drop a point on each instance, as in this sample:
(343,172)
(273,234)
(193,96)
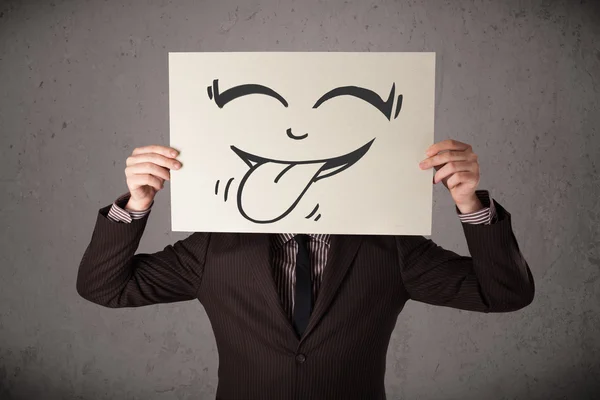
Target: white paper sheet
(302,142)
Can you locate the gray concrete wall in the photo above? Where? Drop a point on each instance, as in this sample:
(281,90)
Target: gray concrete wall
(84,82)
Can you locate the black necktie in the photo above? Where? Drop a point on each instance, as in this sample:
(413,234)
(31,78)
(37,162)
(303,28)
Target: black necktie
(303,295)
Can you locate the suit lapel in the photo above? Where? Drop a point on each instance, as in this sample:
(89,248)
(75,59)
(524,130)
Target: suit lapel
(343,249)
(258,252)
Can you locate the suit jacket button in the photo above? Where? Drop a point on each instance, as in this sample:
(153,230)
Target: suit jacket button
(300,358)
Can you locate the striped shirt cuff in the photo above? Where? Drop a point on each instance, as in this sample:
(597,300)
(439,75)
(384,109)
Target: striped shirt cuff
(485,216)
(118,212)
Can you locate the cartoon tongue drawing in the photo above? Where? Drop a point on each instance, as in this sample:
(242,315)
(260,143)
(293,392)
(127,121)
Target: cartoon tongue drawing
(271,189)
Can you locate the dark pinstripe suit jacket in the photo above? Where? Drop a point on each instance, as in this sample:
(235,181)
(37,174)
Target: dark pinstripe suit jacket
(366,282)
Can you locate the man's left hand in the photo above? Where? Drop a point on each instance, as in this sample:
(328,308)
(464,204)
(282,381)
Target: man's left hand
(457,168)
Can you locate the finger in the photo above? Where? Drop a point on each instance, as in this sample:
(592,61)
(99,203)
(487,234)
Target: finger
(449,144)
(155,148)
(447,156)
(145,180)
(148,168)
(462,178)
(451,168)
(169,163)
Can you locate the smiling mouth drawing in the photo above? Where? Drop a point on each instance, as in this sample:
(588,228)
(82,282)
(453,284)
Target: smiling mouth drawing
(287,180)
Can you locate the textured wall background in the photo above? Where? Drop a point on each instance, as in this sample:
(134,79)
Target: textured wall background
(84,82)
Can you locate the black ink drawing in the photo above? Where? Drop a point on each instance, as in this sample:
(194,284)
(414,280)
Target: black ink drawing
(292,136)
(231,94)
(226,188)
(328,168)
(261,167)
(313,213)
(367,95)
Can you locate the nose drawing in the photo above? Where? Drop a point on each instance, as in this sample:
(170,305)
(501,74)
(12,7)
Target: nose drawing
(292,136)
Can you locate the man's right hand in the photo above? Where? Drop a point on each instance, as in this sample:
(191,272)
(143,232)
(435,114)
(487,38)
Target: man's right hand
(147,169)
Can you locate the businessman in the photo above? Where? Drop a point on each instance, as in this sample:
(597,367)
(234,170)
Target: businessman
(306,316)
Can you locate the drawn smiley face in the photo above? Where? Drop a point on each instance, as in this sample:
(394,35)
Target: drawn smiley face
(303,173)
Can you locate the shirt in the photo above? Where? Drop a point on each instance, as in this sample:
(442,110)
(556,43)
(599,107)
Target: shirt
(284,249)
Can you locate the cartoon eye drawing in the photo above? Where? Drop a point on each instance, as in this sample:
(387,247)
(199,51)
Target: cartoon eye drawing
(367,95)
(238,91)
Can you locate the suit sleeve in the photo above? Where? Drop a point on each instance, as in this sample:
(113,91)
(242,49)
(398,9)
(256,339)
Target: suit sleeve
(495,278)
(111,274)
